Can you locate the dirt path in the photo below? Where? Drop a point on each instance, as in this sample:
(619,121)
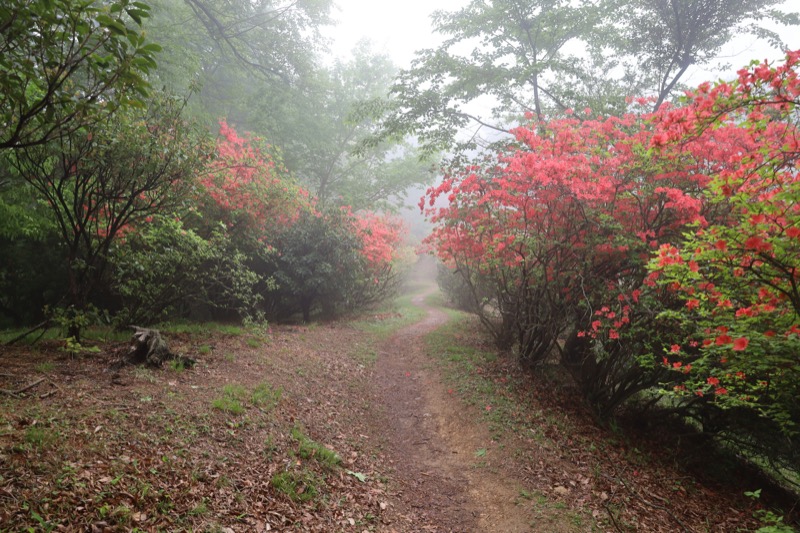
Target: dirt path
(433,442)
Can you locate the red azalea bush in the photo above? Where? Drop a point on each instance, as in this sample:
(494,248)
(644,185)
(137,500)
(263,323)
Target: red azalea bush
(739,281)
(554,234)
(302,254)
(254,244)
(246,190)
(386,259)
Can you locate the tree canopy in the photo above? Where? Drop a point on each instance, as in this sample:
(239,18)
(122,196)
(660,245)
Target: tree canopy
(61,60)
(104,156)
(548,57)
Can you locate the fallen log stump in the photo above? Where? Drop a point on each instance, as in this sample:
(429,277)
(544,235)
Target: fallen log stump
(149,347)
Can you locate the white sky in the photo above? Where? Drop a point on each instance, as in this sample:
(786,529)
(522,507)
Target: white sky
(399,28)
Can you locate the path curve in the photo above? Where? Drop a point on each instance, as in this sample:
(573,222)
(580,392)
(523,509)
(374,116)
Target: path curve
(432,442)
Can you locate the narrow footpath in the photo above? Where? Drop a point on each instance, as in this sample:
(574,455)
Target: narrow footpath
(432,441)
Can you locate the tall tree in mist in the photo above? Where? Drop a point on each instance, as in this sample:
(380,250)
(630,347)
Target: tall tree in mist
(542,58)
(324,144)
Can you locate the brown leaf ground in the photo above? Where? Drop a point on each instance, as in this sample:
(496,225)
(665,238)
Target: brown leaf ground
(379,423)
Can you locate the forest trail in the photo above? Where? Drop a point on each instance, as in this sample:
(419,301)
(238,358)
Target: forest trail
(445,483)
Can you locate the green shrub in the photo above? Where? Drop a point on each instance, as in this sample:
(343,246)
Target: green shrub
(164,270)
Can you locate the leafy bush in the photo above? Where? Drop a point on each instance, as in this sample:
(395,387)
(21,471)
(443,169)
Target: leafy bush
(335,261)
(98,182)
(164,270)
(317,264)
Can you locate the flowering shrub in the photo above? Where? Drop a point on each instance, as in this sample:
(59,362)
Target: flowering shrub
(561,227)
(738,281)
(246,190)
(255,243)
(386,258)
(381,236)
(336,260)
(554,235)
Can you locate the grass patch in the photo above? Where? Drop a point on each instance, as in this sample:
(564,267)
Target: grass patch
(200,509)
(437,299)
(91,333)
(381,323)
(266,396)
(256,334)
(309,449)
(234,390)
(144,374)
(390,317)
(40,437)
(231,399)
(465,368)
(302,486)
(202,329)
(9,334)
(234,398)
(177,365)
(45,367)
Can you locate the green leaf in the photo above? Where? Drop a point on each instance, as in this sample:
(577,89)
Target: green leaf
(117,28)
(151,48)
(104,20)
(358,475)
(138,15)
